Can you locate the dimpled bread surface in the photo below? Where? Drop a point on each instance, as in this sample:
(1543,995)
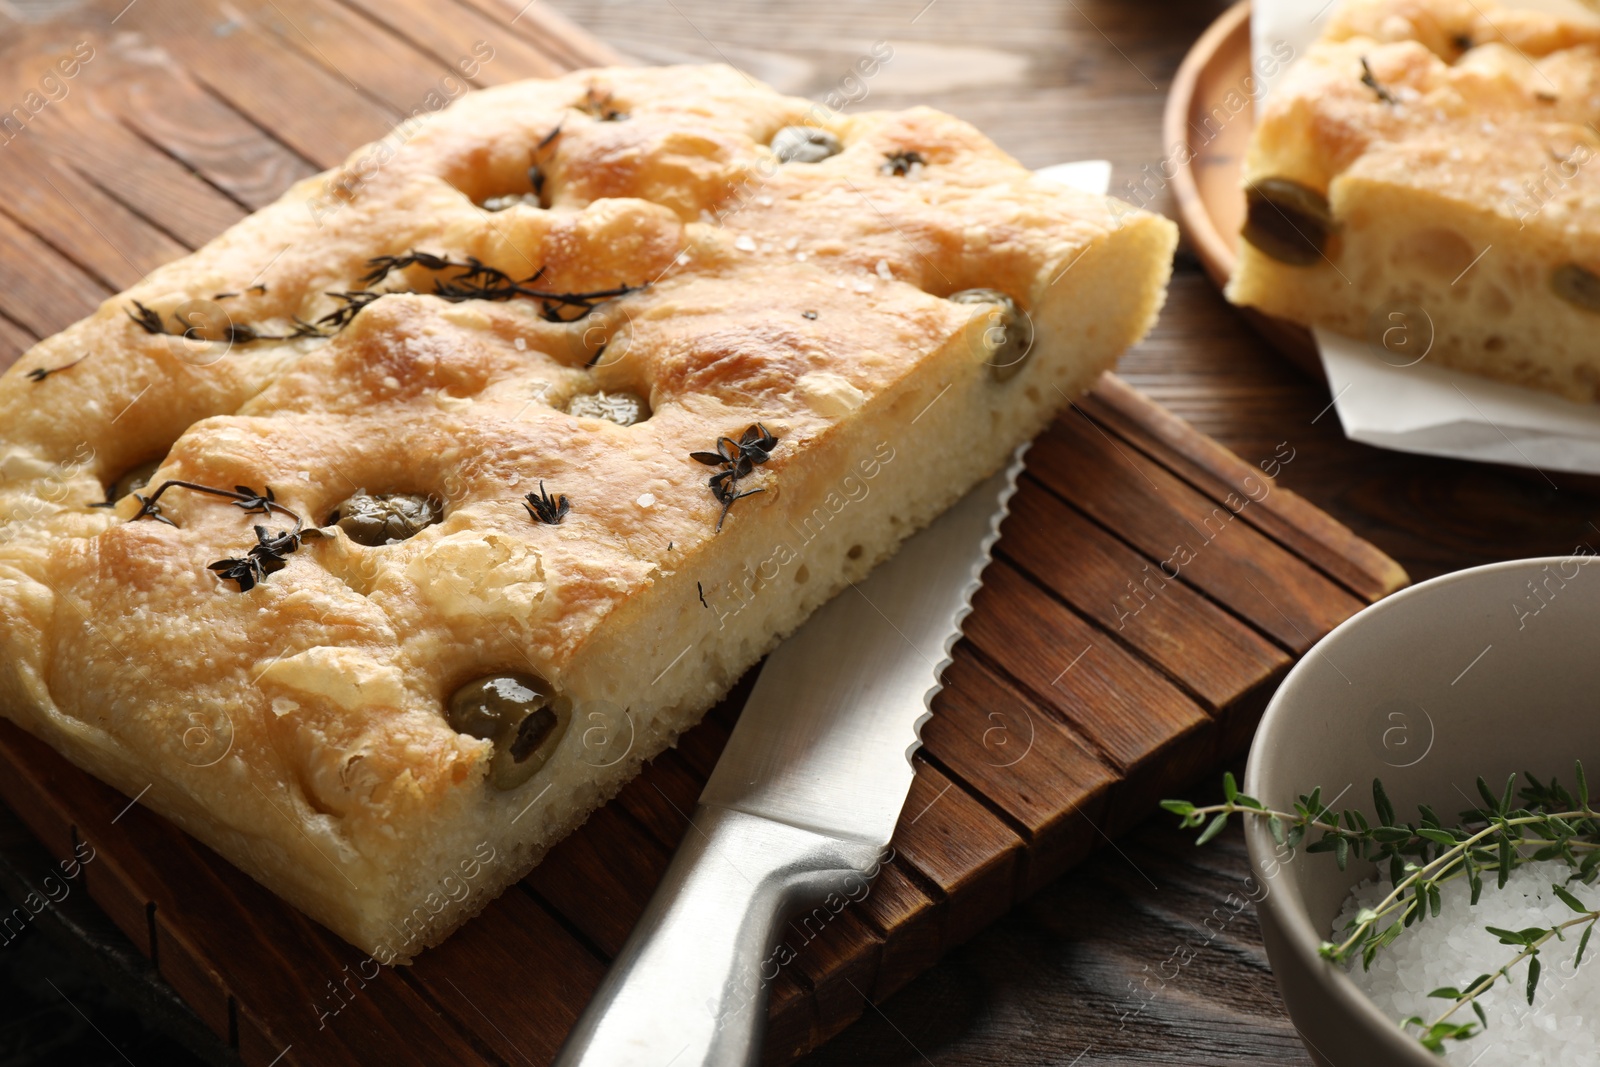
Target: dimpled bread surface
(299,728)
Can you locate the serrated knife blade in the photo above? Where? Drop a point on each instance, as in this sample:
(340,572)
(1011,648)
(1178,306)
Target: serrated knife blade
(803,800)
(825,740)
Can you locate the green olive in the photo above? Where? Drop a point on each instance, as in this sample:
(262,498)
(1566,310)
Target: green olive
(531,735)
(1288,221)
(1577,286)
(520,714)
(1008,337)
(385,519)
(133,479)
(624,409)
(805,144)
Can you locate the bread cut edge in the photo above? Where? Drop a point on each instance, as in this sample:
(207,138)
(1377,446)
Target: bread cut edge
(1087,311)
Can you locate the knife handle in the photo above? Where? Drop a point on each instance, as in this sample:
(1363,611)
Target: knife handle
(689,987)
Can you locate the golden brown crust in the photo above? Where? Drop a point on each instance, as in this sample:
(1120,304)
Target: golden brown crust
(1442,131)
(298,726)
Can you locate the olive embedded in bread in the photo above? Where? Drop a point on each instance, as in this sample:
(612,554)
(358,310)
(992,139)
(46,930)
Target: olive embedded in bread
(519,714)
(805,144)
(1008,337)
(531,734)
(624,409)
(1288,221)
(1577,286)
(133,479)
(385,518)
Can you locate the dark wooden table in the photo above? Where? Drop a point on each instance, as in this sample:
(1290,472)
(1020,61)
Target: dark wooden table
(1088,971)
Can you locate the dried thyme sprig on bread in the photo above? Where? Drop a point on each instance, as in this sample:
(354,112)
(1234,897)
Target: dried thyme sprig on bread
(1370,80)
(39,374)
(737,459)
(1551,823)
(350,303)
(542,507)
(472,279)
(457,281)
(271,550)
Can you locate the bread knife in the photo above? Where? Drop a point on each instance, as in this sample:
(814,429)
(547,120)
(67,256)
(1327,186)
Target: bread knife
(800,808)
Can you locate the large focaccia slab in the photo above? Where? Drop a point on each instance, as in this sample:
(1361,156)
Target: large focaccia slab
(599,432)
(1426,178)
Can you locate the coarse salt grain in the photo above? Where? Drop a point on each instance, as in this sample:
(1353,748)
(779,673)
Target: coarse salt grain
(1454,948)
(745,244)
(646,500)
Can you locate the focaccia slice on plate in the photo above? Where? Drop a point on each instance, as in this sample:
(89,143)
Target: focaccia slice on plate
(384,537)
(1426,176)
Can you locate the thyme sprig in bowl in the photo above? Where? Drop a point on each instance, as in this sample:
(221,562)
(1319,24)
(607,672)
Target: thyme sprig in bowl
(1485,672)
(1420,856)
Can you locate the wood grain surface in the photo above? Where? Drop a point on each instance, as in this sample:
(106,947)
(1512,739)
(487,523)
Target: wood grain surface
(221,105)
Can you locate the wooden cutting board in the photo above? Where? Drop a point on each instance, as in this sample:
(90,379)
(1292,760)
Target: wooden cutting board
(1149,591)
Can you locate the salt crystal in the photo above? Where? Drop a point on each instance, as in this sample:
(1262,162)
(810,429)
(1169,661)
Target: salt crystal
(745,244)
(522,346)
(1455,947)
(646,500)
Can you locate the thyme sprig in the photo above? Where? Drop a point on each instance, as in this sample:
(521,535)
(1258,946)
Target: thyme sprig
(231,295)
(148,319)
(737,459)
(1370,80)
(902,164)
(1532,939)
(542,507)
(271,550)
(39,374)
(457,280)
(473,279)
(1550,823)
(350,303)
(536,174)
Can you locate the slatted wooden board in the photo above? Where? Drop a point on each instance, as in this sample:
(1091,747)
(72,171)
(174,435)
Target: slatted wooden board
(1091,681)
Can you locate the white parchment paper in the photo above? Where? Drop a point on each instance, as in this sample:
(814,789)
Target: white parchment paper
(1089,176)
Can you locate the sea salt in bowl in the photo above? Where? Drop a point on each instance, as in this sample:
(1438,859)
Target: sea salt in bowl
(1486,672)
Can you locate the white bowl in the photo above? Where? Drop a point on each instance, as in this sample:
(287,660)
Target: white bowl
(1487,672)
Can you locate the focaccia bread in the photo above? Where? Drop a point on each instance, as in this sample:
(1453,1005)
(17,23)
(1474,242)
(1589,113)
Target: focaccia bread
(1429,166)
(488,463)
